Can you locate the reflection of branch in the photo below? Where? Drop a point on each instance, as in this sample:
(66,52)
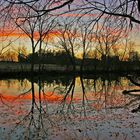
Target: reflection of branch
(71,88)
(2,98)
(128,104)
(136,109)
(133,100)
(23,94)
(136,95)
(68,92)
(128,92)
(133,81)
(34,119)
(84,95)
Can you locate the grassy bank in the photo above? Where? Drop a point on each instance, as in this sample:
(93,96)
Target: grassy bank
(13,68)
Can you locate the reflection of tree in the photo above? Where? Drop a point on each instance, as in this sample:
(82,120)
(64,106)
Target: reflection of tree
(95,93)
(33,121)
(68,92)
(104,96)
(134,79)
(103,90)
(21,84)
(4,101)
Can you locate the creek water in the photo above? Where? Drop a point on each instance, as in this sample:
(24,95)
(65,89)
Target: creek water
(60,107)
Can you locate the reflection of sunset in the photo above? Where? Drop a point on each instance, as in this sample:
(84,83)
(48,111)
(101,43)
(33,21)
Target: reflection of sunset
(96,104)
(49,97)
(105,95)
(29,96)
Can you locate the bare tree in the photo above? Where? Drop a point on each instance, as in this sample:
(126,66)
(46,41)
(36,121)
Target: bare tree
(36,29)
(123,9)
(76,38)
(45,6)
(108,36)
(67,40)
(21,10)
(86,39)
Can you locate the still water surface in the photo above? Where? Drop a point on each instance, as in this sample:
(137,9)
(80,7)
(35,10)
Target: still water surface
(69,108)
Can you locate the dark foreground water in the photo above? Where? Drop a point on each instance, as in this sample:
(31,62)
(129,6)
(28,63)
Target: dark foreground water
(69,108)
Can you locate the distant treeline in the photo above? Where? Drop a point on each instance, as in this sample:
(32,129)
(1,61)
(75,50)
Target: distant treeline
(48,57)
(63,58)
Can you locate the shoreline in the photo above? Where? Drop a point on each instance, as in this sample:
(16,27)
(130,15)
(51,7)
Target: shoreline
(19,69)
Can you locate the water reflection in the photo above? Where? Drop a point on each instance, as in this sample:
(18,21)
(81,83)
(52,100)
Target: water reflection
(62,107)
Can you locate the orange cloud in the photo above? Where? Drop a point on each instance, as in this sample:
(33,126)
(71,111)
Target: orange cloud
(16,33)
(11,33)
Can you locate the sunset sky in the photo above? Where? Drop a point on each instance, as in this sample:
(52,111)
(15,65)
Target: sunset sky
(19,38)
